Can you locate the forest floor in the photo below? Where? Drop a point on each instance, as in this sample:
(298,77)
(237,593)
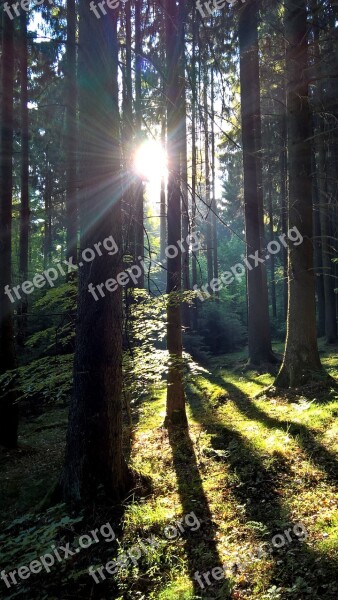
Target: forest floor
(251,470)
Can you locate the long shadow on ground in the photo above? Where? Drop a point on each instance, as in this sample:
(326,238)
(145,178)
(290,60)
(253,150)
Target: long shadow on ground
(193,498)
(301,572)
(316,452)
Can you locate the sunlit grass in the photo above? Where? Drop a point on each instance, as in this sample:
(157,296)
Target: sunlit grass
(241,442)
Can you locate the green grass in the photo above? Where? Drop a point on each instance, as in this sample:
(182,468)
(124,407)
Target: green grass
(250,468)
(259,466)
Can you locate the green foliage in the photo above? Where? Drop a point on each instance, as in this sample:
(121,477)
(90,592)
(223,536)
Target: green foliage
(145,359)
(43,380)
(31,536)
(56,333)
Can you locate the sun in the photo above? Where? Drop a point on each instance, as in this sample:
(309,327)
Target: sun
(150,161)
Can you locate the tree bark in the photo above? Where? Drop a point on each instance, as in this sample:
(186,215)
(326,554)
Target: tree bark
(47,197)
(207,174)
(213,184)
(194,164)
(71,135)
(283,197)
(272,259)
(301,362)
(175,409)
(184,166)
(94,454)
(260,350)
(318,263)
(8,405)
(24,177)
(139,191)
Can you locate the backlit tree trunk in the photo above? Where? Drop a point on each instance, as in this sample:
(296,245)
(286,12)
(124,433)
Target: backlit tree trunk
(139,191)
(94,453)
(175,413)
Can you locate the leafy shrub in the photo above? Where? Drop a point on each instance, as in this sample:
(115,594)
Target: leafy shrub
(42,381)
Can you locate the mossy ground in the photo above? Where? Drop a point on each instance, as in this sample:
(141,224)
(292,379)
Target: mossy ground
(249,468)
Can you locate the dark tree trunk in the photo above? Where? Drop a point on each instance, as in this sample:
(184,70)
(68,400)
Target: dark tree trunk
(47,196)
(207,173)
(175,411)
(283,197)
(24,177)
(318,263)
(328,272)
(213,185)
(184,166)
(194,165)
(272,259)
(71,134)
(139,191)
(301,362)
(260,351)
(326,177)
(129,184)
(163,206)
(8,405)
(94,453)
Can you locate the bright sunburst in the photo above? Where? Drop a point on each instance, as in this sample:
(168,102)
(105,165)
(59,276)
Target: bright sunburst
(150,161)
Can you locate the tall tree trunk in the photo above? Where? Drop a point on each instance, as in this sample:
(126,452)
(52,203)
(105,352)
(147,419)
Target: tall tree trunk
(47,197)
(301,362)
(184,166)
(24,177)
(175,410)
(129,184)
(94,453)
(139,191)
(71,135)
(260,351)
(318,262)
(207,173)
(8,405)
(213,183)
(326,178)
(327,255)
(163,208)
(194,163)
(283,203)
(272,259)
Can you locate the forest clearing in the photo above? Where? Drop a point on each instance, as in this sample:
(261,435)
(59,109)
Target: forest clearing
(169,300)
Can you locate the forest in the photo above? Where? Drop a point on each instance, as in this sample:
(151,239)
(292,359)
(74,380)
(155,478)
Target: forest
(169,299)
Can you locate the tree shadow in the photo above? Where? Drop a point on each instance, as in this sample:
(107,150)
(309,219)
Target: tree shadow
(257,489)
(316,452)
(193,499)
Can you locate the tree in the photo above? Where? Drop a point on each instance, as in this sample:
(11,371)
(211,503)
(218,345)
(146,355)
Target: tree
(175,411)
(139,191)
(24,175)
(301,362)
(184,163)
(8,405)
(71,133)
(259,339)
(94,453)
(208,199)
